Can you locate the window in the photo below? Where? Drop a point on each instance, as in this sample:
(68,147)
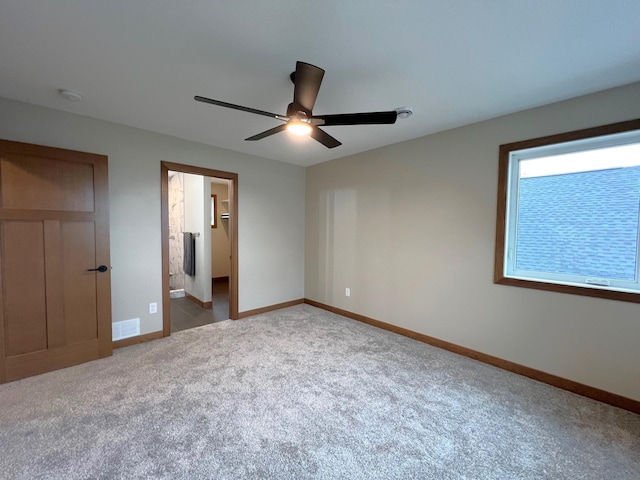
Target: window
(569,213)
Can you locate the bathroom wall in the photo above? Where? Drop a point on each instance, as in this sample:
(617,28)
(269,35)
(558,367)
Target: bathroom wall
(220,241)
(176,227)
(197,219)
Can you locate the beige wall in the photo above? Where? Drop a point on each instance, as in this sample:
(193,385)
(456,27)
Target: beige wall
(271,240)
(410,229)
(220,243)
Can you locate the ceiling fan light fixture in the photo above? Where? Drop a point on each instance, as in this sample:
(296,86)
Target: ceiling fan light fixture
(298,127)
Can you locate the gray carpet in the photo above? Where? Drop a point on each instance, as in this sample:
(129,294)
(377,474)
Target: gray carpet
(302,393)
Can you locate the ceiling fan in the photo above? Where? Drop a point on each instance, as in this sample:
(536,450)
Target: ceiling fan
(300,119)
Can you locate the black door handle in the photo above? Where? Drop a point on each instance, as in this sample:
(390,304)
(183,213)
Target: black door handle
(101,269)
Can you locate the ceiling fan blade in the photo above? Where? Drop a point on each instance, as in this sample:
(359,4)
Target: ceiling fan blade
(239,107)
(324,138)
(267,133)
(372,118)
(307,85)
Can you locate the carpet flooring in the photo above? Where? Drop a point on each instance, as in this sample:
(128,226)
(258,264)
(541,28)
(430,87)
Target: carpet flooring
(301,393)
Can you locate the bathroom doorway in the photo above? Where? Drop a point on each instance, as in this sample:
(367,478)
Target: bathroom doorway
(220,247)
(199,246)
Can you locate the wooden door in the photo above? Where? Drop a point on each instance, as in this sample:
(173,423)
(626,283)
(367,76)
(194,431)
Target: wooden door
(55,310)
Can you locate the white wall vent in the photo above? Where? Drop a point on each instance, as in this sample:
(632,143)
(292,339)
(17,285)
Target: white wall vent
(126,329)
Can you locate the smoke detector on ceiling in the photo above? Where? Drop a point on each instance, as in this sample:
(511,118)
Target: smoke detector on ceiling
(404,112)
(70,95)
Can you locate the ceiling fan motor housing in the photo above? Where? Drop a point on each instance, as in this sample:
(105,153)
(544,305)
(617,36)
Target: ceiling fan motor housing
(298,111)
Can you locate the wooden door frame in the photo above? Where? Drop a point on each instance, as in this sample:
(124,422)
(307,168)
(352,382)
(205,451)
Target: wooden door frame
(233,233)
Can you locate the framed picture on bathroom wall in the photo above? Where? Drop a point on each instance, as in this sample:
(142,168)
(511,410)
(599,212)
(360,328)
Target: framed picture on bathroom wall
(214,211)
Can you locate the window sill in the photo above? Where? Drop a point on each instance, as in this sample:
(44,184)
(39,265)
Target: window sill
(500,279)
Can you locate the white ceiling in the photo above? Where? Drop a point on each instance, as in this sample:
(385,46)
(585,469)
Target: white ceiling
(140,62)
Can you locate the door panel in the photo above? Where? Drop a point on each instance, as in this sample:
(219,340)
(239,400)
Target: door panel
(33,182)
(25,310)
(54,228)
(43,361)
(78,251)
(54,289)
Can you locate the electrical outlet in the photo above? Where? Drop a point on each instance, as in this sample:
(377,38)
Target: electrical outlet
(153,307)
(347,292)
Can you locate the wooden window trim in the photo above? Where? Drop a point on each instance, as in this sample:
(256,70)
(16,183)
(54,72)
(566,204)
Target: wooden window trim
(501,219)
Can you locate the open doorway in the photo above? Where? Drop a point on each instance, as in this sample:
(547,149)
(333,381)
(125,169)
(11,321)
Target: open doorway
(220,247)
(193,295)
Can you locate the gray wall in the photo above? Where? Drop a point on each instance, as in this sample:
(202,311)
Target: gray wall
(410,229)
(271,207)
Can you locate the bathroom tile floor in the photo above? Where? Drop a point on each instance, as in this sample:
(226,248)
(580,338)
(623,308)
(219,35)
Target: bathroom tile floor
(187,314)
